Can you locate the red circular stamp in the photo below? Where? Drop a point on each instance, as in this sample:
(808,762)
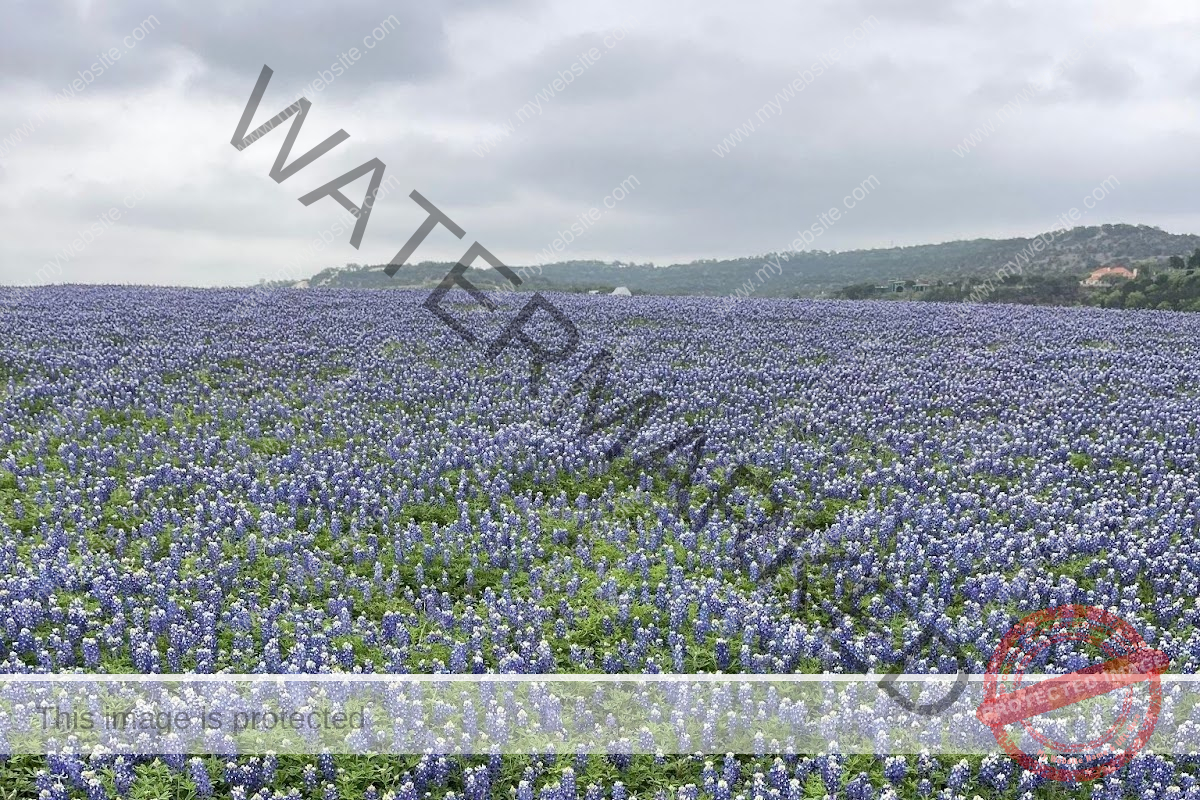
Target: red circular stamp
(1010,703)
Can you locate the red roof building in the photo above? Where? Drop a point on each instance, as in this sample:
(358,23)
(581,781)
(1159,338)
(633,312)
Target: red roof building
(1108,275)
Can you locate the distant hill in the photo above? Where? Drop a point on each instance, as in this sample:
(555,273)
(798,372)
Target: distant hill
(809,273)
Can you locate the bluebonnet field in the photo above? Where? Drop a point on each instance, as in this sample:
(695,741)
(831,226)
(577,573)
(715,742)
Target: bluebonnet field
(322,481)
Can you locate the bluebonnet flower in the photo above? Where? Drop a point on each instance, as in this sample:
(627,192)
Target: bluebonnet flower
(895,768)
(309,777)
(830,769)
(95,789)
(326,765)
(200,778)
(731,772)
(859,788)
(959,774)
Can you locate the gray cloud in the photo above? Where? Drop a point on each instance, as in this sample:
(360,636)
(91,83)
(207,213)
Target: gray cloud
(49,43)
(1102,78)
(895,102)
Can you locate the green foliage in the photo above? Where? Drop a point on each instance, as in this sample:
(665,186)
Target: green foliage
(1177,290)
(9,369)
(269,446)
(1031,288)
(430,512)
(858,291)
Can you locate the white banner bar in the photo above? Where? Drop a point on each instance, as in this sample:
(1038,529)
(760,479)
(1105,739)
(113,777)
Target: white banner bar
(668,714)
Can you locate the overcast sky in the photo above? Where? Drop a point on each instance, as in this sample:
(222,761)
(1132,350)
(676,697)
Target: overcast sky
(1096,88)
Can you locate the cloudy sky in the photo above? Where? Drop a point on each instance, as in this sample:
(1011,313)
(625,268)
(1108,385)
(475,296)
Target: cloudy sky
(1093,88)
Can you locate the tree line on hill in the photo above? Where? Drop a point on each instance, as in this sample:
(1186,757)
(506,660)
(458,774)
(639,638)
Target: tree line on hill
(815,273)
(1175,287)
(948,272)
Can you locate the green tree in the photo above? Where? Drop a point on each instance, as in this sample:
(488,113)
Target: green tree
(1194,260)
(858,291)
(1176,262)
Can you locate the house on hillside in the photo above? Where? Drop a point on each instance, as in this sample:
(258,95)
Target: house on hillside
(1106,275)
(900,287)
